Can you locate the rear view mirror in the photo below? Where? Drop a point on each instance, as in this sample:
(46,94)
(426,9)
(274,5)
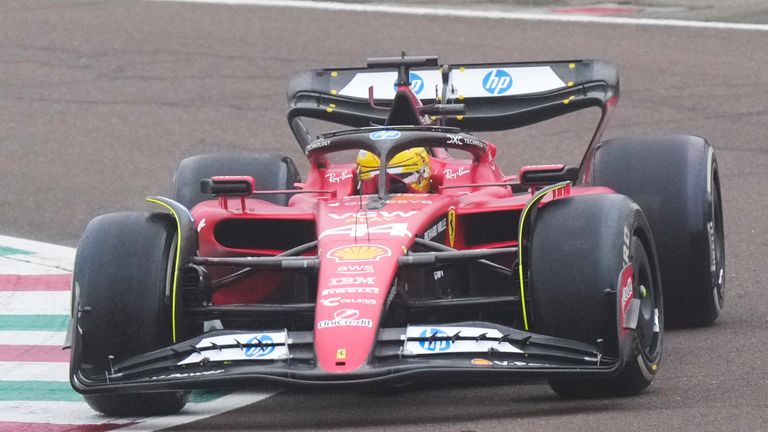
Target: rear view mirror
(228,185)
(544,175)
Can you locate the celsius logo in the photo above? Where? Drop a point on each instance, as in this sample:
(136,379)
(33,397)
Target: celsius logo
(260,350)
(497,82)
(384,135)
(417,83)
(435,345)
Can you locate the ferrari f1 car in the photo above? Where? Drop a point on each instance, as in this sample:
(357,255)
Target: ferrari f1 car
(406,254)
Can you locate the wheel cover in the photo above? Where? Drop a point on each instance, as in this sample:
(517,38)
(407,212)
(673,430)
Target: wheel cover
(717,245)
(649,324)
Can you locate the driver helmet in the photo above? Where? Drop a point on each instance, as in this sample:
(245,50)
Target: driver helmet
(410,166)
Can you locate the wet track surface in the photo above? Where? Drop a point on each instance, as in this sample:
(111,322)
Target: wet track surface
(100,100)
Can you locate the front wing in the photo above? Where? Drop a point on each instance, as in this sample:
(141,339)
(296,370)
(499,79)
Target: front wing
(467,351)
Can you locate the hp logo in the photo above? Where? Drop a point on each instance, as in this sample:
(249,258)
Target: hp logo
(384,135)
(259,351)
(435,345)
(497,81)
(417,83)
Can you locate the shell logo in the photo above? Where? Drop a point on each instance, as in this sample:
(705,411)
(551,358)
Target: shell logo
(359,253)
(481,362)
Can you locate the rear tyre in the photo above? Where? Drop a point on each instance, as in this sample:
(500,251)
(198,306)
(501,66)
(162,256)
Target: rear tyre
(578,249)
(676,181)
(121,274)
(271,171)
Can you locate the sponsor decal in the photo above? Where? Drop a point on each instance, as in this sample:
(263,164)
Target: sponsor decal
(345,323)
(317,144)
(358,230)
(346,314)
(401,199)
(335,178)
(268,346)
(359,253)
(485,362)
(626,292)
(384,135)
(188,374)
(453,175)
(354,269)
(440,345)
(350,290)
(341,354)
(434,230)
(260,350)
(201,225)
(461,140)
(353,280)
(454,139)
(481,362)
(478,340)
(417,83)
(371,216)
(408,199)
(345,318)
(451,226)
(497,81)
(625,248)
(339,301)
(382,83)
(438,274)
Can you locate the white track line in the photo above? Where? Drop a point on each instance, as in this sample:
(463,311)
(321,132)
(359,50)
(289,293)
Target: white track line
(199,411)
(34,371)
(35,302)
(61,255)
(468,13)
(74,413)
(32,338)
(22,265)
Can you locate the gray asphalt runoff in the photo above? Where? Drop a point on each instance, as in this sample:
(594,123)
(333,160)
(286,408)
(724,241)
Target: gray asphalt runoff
(100,100)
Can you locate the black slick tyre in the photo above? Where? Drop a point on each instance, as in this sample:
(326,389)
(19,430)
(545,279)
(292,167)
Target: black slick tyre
(271,171)
(676,181)
(579,247)
(121,275)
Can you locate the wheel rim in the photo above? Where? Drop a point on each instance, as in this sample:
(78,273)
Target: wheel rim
(717,240)
(649,323)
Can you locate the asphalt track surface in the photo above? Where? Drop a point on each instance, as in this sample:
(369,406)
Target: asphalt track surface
(100,100)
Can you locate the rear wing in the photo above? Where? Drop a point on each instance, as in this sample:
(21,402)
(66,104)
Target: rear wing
(497,96)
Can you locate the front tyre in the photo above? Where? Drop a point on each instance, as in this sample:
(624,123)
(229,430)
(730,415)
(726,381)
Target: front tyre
(121,274)
(579,248)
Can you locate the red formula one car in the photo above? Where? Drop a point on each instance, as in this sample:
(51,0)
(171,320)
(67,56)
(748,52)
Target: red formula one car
(406,254)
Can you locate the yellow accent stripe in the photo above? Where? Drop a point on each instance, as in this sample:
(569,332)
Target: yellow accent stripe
(534,201)
(176,265)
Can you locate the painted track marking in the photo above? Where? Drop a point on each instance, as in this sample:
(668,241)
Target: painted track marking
(467,13)
(35,394)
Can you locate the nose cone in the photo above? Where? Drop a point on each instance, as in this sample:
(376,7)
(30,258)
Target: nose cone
(353,286)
